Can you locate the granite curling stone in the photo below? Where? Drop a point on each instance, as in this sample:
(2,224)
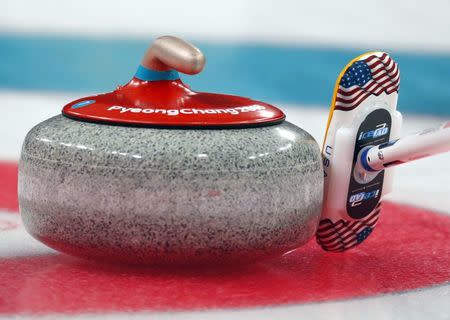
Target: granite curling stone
(155,173)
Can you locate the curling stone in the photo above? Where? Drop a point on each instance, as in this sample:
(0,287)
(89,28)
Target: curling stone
(154,172)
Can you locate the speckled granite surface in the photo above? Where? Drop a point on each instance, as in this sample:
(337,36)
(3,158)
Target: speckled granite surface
(170,195)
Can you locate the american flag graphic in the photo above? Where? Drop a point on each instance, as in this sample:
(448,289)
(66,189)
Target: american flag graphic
(370,76)
(343,235)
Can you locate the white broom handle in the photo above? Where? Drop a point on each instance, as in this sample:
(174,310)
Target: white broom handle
(424,144)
